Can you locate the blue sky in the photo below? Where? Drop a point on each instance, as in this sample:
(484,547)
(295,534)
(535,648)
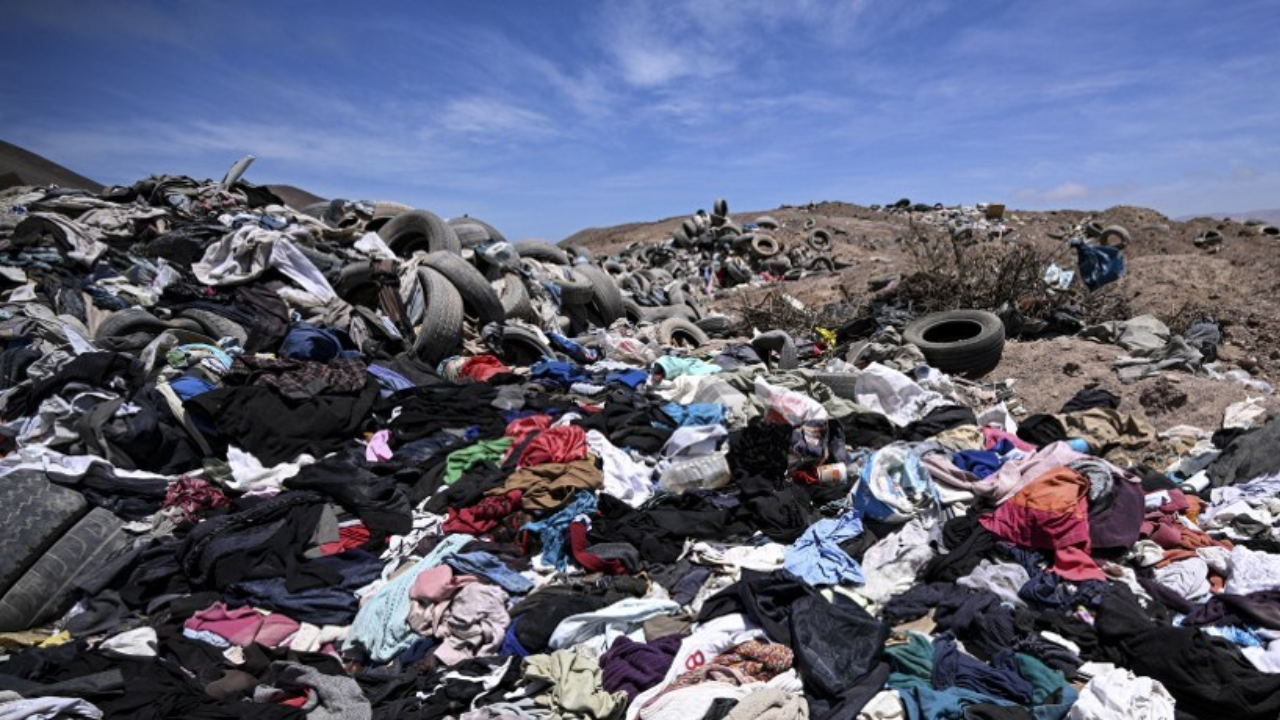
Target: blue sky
(546,117)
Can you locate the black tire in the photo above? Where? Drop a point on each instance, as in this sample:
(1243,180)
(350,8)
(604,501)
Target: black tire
(386,210)
(356,285)
(477,294)
(575,288)
(1093,229)
(606,297)
(718,325)
(737,270)
(416,230)
(819,264)
(128,321)
(780,342)
(1269,230)
(34,513)
(440,332)
(216,326)
(721,207)
(469,234)
(522,346)
(842,384)
(1116,235)
(635,313)
(515,298)
(819,240)
(541,250)
(491,232)
(577,251)
(768,222)
(46,590)
(678,331)
(666,312)
(690,229)
(969,342)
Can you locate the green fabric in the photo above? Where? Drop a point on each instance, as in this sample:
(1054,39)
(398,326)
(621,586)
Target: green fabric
(674,367)
(912,662)
(1045,680)
(485,451)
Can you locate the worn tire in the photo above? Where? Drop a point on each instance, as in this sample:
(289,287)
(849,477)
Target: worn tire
(34,513)
(780,342)
(679,331)
(477,294)
(606,297)
(356,285)
(819,240)
(46,590)
(386,210)
(541,250)
(721,207)
(470,235)
(959,341)
(843,385)
(666,312)
(1116,235)
(1269,230)
(515,298)
(575,288)
(768,222)
(523,346)
(1093,229)
(216,326)
(416,230)
(716,324)
(577,251)
(127,321)
(440,332)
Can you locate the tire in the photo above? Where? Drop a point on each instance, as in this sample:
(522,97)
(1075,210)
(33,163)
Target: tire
(635,313)
(721,207)
(667,312)
(1269,230)
(577,251)
(737,270)
(768,222)
(575,288)
(440,332)
(477,294)
(216,326)
(128,321)
(1093,229)
(718,325)
(541,250)
(819,241)
(969,342)
(515,298)
(842,384)
(821,264)
(678,331)
(317,210)
(416,230)
(46,590)
(522,346)
(491,232)
(470,235)
(356,284)
(1116,235)
(690,229)
(34,513)
(606,297)
(386,210)
(780,342)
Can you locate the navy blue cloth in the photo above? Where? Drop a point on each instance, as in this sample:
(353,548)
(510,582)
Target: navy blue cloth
(952,668)
(981,463)
(633,378)
(1099,264)
(310,342)
(557,374)
(319,603)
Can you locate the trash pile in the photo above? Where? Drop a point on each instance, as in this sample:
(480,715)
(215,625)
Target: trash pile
(359,462)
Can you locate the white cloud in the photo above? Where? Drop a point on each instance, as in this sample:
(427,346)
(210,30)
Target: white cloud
(490,116)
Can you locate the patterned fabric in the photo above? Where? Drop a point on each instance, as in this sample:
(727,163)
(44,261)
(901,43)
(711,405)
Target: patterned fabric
(752,661)
(298,379)
(191,495)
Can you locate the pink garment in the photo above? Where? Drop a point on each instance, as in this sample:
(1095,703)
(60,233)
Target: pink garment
(1017,474)
(379,447)
(992,435)
(431,591)
(472,623)
(1051,513)
(519,430)
(243,626)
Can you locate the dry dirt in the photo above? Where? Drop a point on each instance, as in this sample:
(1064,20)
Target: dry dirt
(1166,275)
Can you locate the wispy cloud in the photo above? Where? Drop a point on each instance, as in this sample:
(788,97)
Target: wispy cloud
(493,118)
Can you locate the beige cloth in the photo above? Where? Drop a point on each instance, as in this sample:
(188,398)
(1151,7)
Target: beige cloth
(575,686)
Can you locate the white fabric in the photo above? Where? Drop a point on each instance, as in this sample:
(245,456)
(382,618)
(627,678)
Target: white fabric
(886,705)
(693,701)
(1252,571)
(894,395)
(694,440)
(1188,578)
(1117,694)
(1001,579)
(891,565)
(47,708)
(597,630)
(250,476)
(1266,659)
(624,478)
(140,642)
(250,251)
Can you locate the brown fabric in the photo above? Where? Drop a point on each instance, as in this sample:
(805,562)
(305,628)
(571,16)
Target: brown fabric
(547,487)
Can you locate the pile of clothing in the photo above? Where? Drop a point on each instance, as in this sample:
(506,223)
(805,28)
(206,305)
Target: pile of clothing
(229,492)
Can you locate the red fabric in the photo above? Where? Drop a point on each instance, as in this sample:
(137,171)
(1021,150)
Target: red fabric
(483,367)
(297,701)
(562,444)
(484,516)
(350,537)
(519,430)
(193,495)
(589,560)
(991,436)
(1051,513)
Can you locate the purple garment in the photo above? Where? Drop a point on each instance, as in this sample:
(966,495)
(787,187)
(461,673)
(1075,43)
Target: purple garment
(634,667)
